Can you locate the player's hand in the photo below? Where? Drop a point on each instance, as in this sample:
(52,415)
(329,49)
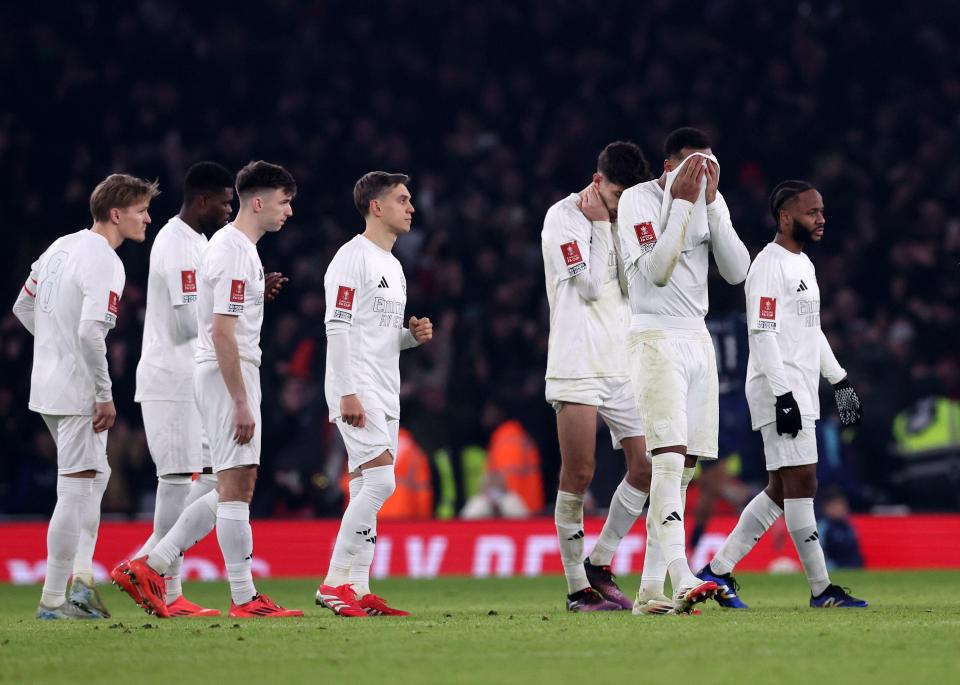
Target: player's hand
(713,180)
(592,206)
(273,285)
(243,422)
(351,411)
(686,186)
(421,329)
(104,415)
(848,403)
(788,415)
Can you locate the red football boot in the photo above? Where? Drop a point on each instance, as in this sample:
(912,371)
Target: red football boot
(261,606)
(377,606)
(182,607)
(150,585)
(120,576)
(341,600)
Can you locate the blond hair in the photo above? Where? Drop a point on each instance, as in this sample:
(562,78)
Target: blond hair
(119,191)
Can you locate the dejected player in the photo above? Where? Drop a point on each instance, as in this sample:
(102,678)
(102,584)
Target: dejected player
(231,289)
(788,354)
(669,227)
(69,303)
(587,370)
(366,295)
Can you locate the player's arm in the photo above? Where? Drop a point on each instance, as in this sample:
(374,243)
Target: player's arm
(420,331)
(849,406)
(181,284)
(659,251)
(731,255)
(101,288)
(224,334)
(579,250)
(25,306)
(340,292)
(763,323)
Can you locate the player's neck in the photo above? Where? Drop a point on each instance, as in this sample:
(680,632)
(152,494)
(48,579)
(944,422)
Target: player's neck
(108,231)
(379,235)
(788,243)
(187,217)
(246,223)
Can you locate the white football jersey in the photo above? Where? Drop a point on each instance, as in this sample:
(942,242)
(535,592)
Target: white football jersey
(230,281)
(78,278)
(165,371)
(783,297)
(683,302)
(587,339)
(366,289)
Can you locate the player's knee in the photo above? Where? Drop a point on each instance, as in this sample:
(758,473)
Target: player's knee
(576,479)
(379,483)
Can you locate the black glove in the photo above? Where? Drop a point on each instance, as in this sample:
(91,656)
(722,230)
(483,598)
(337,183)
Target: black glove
(848,403)
(788,415)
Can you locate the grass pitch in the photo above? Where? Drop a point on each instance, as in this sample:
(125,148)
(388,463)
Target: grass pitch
(504,631)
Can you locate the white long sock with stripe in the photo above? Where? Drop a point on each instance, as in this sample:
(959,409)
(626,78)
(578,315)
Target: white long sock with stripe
(802,525)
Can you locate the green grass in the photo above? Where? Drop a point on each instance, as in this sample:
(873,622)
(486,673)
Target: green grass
(504,631)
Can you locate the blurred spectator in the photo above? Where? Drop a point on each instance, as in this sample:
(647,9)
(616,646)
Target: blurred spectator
(837,535)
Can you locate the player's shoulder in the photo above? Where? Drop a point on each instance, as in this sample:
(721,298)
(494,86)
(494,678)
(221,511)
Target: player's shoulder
(643,196)
(350,257)
(562,216)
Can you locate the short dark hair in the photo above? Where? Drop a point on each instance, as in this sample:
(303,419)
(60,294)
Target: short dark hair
(205,178)
(783,193)
(258,175)
(373,185)
(119,191)
(623,163)
(686,137)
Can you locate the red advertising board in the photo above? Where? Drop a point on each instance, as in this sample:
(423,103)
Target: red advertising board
(424,549)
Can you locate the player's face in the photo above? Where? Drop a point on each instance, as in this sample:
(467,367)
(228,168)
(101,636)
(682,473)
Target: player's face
(216,209)
(132,221)
(610,194)
(396,209)
(276,206)
(671,163)
(806,214)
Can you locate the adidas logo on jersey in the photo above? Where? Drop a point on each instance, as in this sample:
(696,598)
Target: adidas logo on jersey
(803,286)
(674,516)
(383,283)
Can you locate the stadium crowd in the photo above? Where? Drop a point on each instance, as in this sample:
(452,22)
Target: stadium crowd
(496,109)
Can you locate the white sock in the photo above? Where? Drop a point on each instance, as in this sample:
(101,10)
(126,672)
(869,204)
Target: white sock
(802,525)
(171,495)
(63,535)
(359,576)
(568,516)
(90,526)
(236,543)
(666,504)
(757,517)
(198,526)
(654,565)
(625,507)
(194,524)
(359,523)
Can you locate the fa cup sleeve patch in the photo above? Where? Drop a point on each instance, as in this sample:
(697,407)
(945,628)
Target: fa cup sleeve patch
(188,281)
(572,258)
(645,236)
(344,303)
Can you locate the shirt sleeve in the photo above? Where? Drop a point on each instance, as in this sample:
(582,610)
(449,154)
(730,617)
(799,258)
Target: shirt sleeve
(648,250)
(568,237)
(764,291)
(829,366)
(102,287)
(341,286)
(230,274)
(731,255)
(25,306)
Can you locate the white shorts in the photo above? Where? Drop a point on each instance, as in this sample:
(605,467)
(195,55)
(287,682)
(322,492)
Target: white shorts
(78,447)
(782,450)
(612,396)
(216,413)
(379,434)
(175,437)
(674,375)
